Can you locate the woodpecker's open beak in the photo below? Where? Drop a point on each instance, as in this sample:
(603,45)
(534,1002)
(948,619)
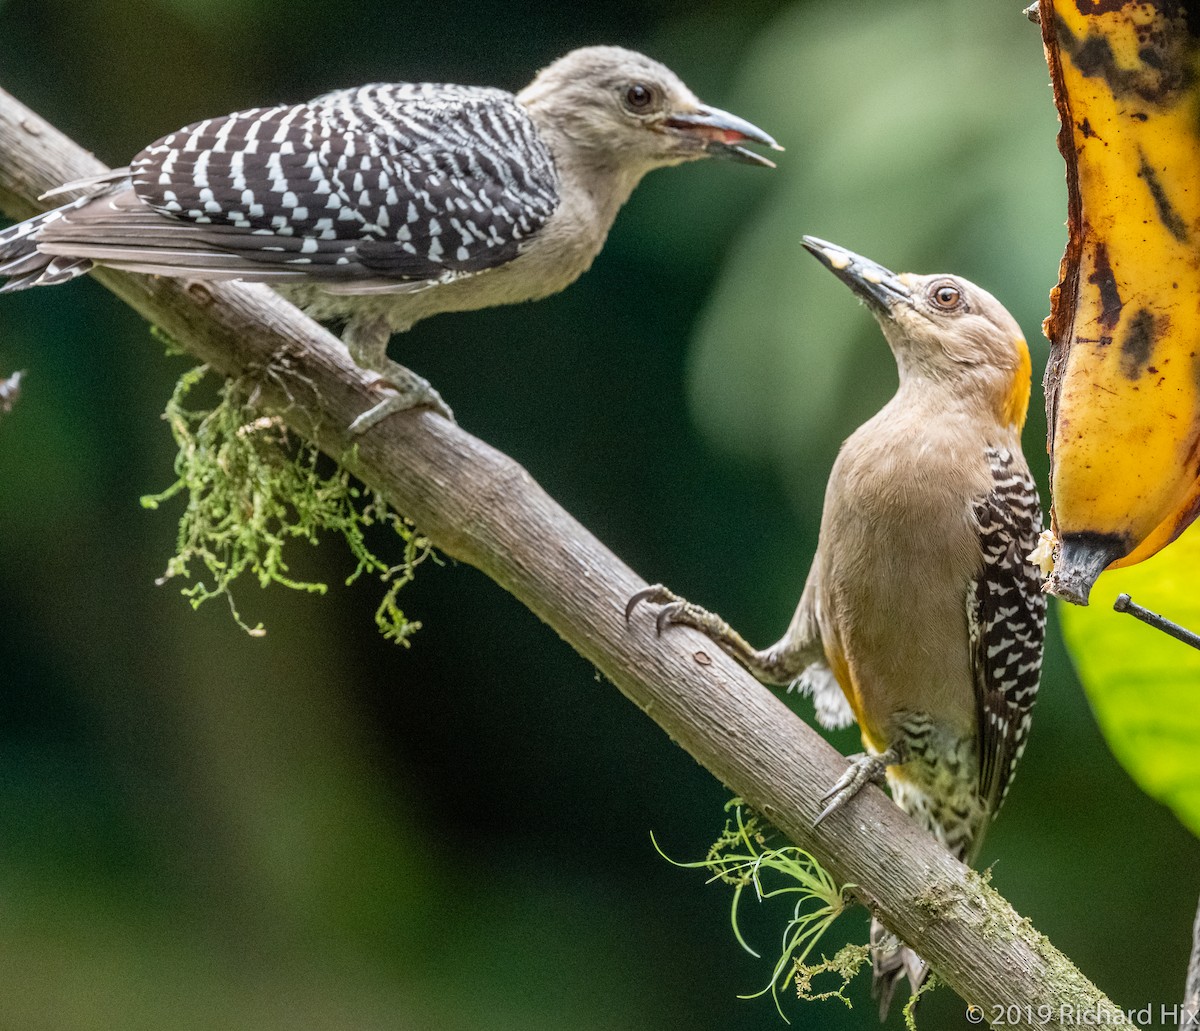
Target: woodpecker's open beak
(879,287)
(720,133)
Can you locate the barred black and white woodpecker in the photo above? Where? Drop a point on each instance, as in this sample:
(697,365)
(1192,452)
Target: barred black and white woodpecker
(922,617)
(385,204)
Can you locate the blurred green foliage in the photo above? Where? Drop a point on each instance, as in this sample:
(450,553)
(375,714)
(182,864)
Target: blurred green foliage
(317,829)
(1143,684)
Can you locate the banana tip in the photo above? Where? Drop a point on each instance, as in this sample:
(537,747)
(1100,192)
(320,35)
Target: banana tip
(1079,559)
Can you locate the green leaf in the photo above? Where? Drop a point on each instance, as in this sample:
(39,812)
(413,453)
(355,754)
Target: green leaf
(1143,685)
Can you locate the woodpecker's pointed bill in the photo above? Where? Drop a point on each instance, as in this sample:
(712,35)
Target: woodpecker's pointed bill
(722,133)
(878,286)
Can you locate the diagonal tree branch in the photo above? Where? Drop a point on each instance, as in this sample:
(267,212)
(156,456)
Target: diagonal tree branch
(481,507)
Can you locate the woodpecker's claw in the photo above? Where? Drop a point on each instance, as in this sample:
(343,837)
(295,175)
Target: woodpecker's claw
(656,594)
(864,769)
(675,611)
(406,390)
(672,614)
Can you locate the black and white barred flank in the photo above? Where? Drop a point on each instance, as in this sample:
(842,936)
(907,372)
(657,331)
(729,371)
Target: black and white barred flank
(1006,616)
(953,786)
(407,183)
(939,785)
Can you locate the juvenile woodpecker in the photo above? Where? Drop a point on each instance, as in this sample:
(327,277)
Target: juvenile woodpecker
(922,617)
(385,204)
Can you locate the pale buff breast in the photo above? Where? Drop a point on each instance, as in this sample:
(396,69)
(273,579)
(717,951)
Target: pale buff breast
(899,549)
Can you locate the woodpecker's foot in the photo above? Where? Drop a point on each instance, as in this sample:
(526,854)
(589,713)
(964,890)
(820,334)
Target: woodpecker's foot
(677,610)
(655,594)
(764,665)
(405,390)
(864,769)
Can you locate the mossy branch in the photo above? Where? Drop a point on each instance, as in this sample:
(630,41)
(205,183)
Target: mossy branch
(480,507)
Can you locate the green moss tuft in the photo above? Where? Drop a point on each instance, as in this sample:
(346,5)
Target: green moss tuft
(846,963)
(252,487)
(742,857)
(910,1007)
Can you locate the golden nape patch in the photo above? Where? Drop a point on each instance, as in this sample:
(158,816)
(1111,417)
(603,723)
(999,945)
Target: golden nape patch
(1016,405)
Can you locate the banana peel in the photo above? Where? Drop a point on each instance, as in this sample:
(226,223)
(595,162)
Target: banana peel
(1123,383)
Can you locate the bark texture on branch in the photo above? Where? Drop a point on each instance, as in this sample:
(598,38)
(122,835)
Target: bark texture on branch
(479,506)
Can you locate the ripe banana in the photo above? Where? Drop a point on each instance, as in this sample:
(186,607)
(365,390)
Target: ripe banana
(1123,385)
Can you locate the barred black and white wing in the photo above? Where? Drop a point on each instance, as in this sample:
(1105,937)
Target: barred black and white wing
(409,182)
(23,264)
(1006,616)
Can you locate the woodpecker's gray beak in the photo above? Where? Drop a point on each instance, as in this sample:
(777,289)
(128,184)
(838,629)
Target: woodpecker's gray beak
(879,287)
(720,132)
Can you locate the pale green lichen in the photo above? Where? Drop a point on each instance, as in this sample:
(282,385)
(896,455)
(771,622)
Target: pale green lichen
(846,963)
(742,857)
(251,487)
(910,1007)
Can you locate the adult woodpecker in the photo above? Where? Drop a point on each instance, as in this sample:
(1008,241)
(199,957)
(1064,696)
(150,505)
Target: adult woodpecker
(922,617)
(385,204)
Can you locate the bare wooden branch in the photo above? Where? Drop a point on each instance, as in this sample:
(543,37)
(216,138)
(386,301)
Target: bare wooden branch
(481,507)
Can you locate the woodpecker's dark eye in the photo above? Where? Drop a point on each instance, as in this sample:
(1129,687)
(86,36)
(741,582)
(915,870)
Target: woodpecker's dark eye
(946,297)
(639,97)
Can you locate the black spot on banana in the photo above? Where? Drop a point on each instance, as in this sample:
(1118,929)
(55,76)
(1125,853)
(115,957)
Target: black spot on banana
(1138,344)
(1110,296)
(1123,383)
(1167,215)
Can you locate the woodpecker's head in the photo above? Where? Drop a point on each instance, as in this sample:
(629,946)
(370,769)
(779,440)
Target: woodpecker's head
(621,108)
(941,327)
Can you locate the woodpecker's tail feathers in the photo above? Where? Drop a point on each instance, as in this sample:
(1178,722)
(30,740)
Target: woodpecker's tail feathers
(24,264)
(891,962)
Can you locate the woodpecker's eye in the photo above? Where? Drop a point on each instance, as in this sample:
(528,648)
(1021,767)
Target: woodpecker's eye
(639,97)
(946,297)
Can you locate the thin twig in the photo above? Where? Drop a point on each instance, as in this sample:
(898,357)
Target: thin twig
(1124,603)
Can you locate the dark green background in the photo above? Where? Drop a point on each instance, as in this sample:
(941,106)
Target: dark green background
(321,830)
